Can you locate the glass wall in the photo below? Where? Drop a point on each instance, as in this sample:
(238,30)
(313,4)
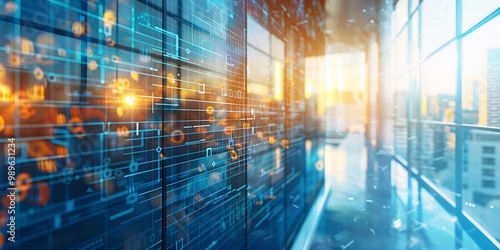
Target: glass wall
(453,119)
(155,124)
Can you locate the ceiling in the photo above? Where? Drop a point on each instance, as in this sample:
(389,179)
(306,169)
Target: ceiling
(349,22)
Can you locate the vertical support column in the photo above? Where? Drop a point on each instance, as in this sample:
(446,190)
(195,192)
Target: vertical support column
(372,61)
(418,115)
(409,116)
(459,138)
(83,53)
(371,51)
(384,104)
(164,208)
(385,94)
(379,185)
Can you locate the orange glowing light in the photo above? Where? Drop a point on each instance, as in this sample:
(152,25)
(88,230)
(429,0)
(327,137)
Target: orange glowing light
(177,137)
(109,18)
(23,183)
(61,119)
(110,41)
(78,29)
(119,111)
(2,123)
(234,155)
(122,131)
(15,60)
(285,143)
(134,75)
(271,140)
(307,90)
(210,110)
(92,65)
(259,134)
(129,100)
(2,73)
(75,125)
(278,81)
(47,166)
(27,47)
(10,7)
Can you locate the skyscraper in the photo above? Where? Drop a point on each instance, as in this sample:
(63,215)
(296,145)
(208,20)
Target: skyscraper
(493,77)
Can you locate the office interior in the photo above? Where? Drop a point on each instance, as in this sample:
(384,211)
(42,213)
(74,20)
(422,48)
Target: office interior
(250,124)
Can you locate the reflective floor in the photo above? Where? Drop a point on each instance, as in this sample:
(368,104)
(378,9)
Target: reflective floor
(359,215)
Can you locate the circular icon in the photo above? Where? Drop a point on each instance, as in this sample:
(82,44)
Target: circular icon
(75,125)
(15,60)
(133,167)
(23,181)
(61,52)
(228,130)
(319,165)
(51,77)
(89,51)
(109,18)
(38,73)
(107,161)
(110,41)
(210,110)
(234,155)
(78,29)
(107,173)
(177,137)
(92,65)
(118,173)
(67,180)
(10,7)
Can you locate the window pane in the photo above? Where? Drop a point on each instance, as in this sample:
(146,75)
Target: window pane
(488,184)
(401,56)
(437,156)
(474,11)
(414,5)
(401,112)
(401,14)
(438,24)
(480,187)
(489,161)
(488,150)
(439,85)
(415,50)
(480,75)
(488,172)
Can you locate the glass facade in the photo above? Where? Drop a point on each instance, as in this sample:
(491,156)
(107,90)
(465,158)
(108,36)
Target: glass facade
(157,124)
(449,131)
